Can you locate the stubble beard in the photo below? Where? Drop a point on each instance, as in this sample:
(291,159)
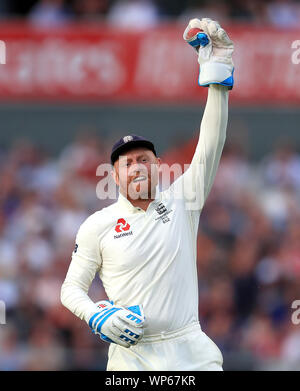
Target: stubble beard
(136,191)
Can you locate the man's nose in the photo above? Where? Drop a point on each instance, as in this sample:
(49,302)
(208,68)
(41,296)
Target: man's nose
(137,167)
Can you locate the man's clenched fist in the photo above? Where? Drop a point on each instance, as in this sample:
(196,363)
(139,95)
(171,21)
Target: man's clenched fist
(120,325)
(214,54)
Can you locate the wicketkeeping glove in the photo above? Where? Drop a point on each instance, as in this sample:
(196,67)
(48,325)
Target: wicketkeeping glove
(120,325)
(214,52)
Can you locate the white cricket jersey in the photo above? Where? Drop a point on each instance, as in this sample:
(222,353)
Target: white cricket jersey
(149,257)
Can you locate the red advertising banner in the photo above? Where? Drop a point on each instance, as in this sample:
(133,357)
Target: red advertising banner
(110,65)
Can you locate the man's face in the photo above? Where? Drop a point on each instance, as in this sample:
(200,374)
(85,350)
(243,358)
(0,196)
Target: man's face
(136,173)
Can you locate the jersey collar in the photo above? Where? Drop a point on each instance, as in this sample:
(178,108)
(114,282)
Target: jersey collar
(124,203)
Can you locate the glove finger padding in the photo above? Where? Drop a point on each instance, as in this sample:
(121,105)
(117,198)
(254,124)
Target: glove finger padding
(210,27)
(216,33)
(125,333)
(121,326)
(224,38)
(125,338)
(133,316)
(115,339)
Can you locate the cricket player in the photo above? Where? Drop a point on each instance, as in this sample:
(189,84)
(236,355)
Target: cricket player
(144,245)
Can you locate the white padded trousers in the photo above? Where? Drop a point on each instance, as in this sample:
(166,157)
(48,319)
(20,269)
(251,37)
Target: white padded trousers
(186,349)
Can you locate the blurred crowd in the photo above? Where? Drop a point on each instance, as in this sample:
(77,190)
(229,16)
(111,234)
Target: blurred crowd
(147,13)
(248,256)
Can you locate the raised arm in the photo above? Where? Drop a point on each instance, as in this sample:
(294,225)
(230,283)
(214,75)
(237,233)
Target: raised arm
(214,49)
(200,176)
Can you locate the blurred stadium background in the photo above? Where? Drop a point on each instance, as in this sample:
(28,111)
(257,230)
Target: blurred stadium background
(81,73)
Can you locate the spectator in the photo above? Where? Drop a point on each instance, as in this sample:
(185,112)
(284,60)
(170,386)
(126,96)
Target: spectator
(133,14)
(284,13)
(49,13)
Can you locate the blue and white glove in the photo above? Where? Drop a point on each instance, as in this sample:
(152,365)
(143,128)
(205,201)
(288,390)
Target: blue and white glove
(120,325)
(214,53)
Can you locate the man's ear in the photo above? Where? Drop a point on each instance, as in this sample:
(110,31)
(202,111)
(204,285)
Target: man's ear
(158,162)
(115,176)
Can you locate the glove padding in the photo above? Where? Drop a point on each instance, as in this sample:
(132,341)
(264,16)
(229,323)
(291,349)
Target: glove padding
(120,325)
(215,57)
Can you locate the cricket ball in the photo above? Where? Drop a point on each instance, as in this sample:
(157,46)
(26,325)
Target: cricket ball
(194,31)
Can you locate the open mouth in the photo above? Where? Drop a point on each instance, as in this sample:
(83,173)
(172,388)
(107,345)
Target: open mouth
(140,178)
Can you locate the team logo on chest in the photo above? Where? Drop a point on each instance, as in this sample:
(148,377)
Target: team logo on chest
(122,228)
(163,213)
(161,209)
